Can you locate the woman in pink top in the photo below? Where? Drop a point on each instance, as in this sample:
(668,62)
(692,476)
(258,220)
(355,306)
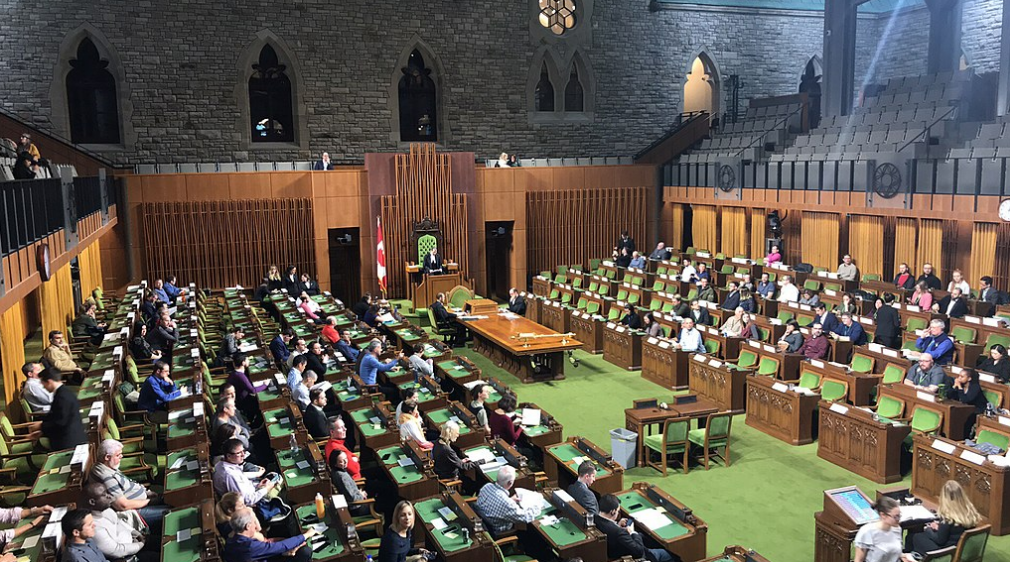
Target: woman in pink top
(307,308)
(774,257)
(922,297)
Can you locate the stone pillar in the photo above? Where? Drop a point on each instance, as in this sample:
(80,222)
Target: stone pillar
(1003,95)
(839,56)
(944,36)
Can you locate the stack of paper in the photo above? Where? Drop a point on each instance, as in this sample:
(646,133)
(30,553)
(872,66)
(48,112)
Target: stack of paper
(482,454)
(916,513)
(654,518)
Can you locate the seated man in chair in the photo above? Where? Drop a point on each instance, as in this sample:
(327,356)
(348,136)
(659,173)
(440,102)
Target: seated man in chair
(446,319)
(432,263)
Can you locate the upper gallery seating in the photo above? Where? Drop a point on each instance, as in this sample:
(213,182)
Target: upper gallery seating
(767,124)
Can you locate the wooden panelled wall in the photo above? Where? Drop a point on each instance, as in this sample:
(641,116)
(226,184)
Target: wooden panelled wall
(423,190)
(575,225)
(877,243)
(223,243)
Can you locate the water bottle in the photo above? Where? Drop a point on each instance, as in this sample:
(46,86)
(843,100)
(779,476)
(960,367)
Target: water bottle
(294,445)
(198,386)
(368,558)
(466,534)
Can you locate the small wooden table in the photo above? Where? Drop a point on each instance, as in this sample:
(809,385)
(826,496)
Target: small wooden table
(644,421)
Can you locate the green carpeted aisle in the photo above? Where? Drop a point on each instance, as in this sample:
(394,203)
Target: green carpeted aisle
(766,500)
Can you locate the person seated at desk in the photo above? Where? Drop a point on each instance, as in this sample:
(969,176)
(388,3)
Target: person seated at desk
(245,390)
(126,494)
(847,270)
(925,375)
(904,278)
(449,465)
(344,483)
(38,398)
(922,297)
(371,367)
(699,314)
(966,389)
(163,336)
(247,543)
(279,346)
(503,425)
(397,543)
(622,540)
(746,283)
(500,509)
(414,354)
(816,347)
(517,304)
(765,287)
(345,347)
(637,261)
(118,534)
(361,307)
(750,327)
(229,477)
(997,363)
(316,360)
(703,273)
(579,490)
(329,331)
(660,253)
(227,414)
(887,322)
(651,327)
(747,302)
(480,393)
(851,329)
(86,326)
(809,298)
(630,318)
(314,417)
(79,532)
(13,515)
(690,338)
(59,356)
(788,291)
(62,423)
(230,345)
(825,318)
(931,280)
(338,442)
(411,427)
(792,339)
(140,348)
(688,272)
(307,286)
(309,308)
(446,319)
(323,163)
(935,341)
(880,540)
(732,297)
(848,304)
(157,391)
(953,305)
(148,310)
(224,510)
(958,282)
(622,257)
(986,292)
(955,515)
(680,308)
(432,264)
(734,325)
(774,256)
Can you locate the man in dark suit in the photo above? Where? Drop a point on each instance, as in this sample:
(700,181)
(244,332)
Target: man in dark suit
(700,314)
(579,490)
(932,281)
(904,279)
(953,305)
(625,242)
(62,425)
(825,318)
(986,292)
(733,298)
(314,417)
(888,323)
(630,319)
(323,163)
(517,304)
(680,308)
(86,326)
(660,253)
(432,263)
(622,540)
(446,319)
(148,310)
(316,361)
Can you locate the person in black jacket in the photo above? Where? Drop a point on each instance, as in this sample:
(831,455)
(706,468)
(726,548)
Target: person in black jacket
(517,304)
(163,336)
(986,292)
(733,297)
(361,307)
(448,464)
(625,242)
(290,281)
(579,490)
(446,319)
(904,278)
(24,167)
(887,322)
(931,280)
(997,363)
(314,417)
(968,390)
(630,319)
(62,425)
(680,308)
(953,305)
(316,361)
(622,540)
(699,314)
(956,514)
(140,348)
(432,264)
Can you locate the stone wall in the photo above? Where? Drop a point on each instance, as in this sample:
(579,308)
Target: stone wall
(181,65)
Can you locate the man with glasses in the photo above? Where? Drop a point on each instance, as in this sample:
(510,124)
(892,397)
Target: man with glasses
(229,477)
(127,494)
(925,375)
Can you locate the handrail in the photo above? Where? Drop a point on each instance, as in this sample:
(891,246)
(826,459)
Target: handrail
(773,129)
(61,140)
(928,127)
(682,121)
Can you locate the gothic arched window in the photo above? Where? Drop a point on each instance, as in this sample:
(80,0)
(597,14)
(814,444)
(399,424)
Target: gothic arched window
(543,96)
(573,92)
(418,101)
(91,98)
(270,100)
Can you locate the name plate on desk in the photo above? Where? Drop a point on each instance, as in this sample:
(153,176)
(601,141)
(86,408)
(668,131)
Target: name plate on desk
(865,320)
(770,349)
(774,321)
(832,276)
(991,322)
(890,352)
(611,325)
(699,357)
(804,307)
(957,370)
(780,387)
(839,409)
(704,255)
(973,319)
(822,273)
(818,364)
(1004,420)
(914,308)
(622,329)
(948,448)
(875,347)
(653,341)
(972,457)
(754,344)
(925,396)
(715,363)
(557,305)
(664,344)
(830,293)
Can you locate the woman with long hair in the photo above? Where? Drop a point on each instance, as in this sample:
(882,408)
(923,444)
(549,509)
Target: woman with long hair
(955,515)
(397,543)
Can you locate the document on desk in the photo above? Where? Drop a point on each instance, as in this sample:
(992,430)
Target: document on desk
(915,513)
(529,498)
(531,416)
(654,518)
(480,454)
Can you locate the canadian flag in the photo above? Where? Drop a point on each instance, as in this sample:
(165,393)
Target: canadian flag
(380,256)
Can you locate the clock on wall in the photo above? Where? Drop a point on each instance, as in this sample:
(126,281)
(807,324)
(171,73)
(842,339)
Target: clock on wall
(42,262)
(1004,210)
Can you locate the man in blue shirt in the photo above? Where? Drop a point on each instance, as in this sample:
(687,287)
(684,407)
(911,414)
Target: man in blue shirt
(171,289)
(371,366)
(298,366)
(247,545)
(935,342)
(79,530)
(765,287)
(346,348)
(279,346)
(850,329)
(158,390)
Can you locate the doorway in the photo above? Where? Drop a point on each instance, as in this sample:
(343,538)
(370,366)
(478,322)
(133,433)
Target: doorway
(345,264)
(498,258)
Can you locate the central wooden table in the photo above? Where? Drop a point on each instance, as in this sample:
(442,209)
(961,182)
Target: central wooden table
(526,349)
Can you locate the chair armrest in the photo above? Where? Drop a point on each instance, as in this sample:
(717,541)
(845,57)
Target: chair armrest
(9,474)
(507,540)
(18,426)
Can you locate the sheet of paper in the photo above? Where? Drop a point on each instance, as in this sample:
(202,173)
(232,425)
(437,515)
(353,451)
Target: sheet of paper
(302,465)
(447,514)
(531,416)
(916,513)
(482,454)
(183,535)
(406,461)
(654,518)
(438,523)
(31,541)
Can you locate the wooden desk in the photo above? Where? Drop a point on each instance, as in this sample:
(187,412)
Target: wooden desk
(451,544)
(533,305)
(664,364)
(861,385)
(936,460)
(955,414)
(685,535)
(854,440)
(499,448)
(480,307)
(430,286)
(191,482)
(553,316)
(729,348)
(535,360)
(470,433)
(647,420)
(60,479)
(588,329)
(789,363)
(622,346)
(572,536)
(719,382)
(780,412)
(737,554)
(549,432)
(561,466)
(413,481)
(541,286)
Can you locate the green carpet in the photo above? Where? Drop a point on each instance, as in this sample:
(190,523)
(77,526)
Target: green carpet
(765,500)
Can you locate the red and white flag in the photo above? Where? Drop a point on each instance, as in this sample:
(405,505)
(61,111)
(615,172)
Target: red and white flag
(380,257)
